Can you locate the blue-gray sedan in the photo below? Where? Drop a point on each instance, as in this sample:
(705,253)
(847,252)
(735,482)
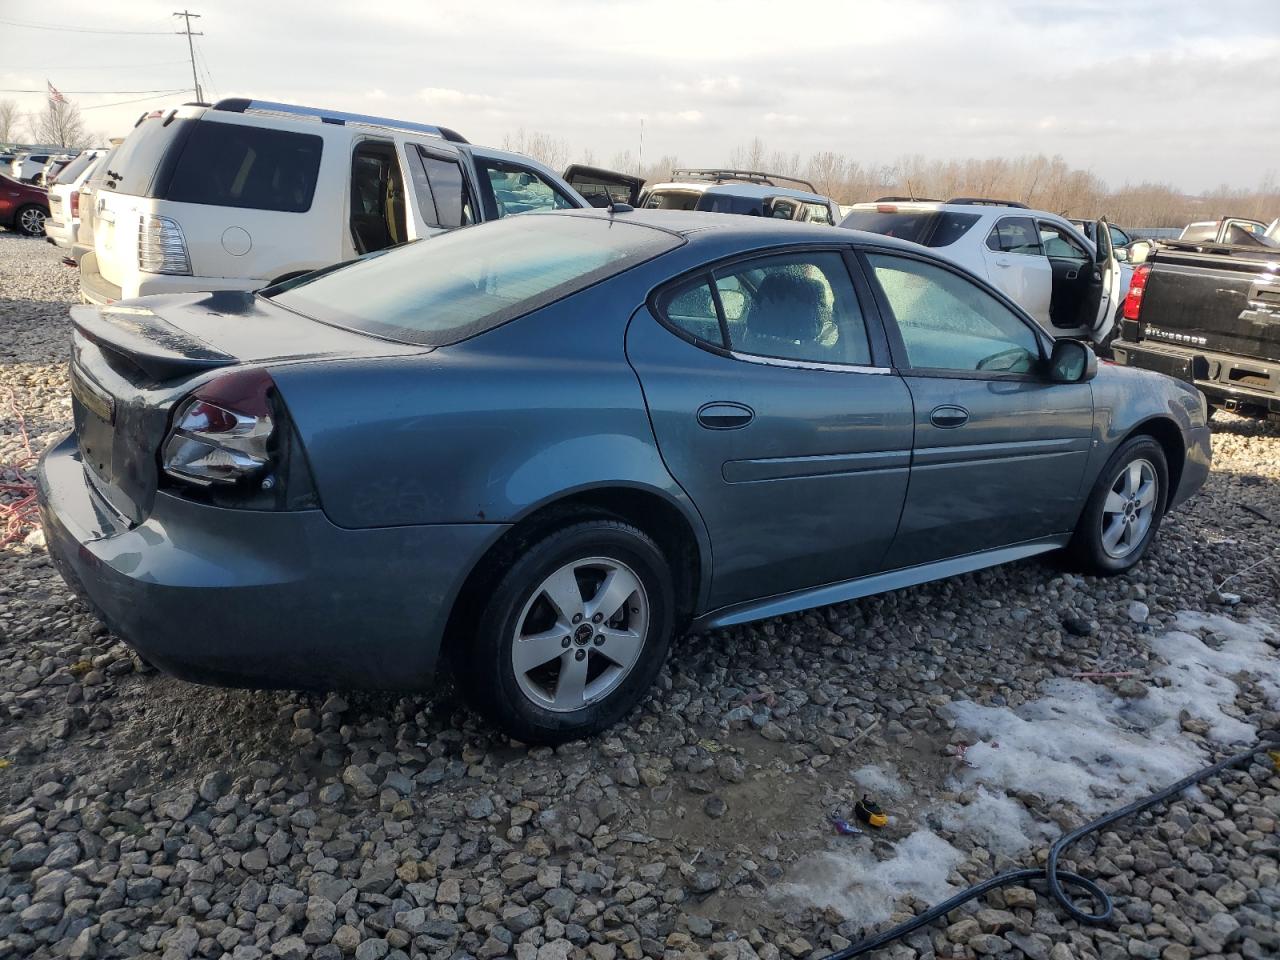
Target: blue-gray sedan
(535,449)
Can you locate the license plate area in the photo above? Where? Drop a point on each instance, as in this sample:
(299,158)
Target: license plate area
(93,411)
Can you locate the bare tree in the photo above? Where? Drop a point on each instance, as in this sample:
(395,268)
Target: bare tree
(59,123)
(543,147)
(10,116)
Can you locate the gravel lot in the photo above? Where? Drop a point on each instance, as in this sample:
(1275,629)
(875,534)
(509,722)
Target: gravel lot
(145,816)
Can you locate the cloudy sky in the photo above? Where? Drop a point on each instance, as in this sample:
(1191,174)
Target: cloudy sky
(1174,90)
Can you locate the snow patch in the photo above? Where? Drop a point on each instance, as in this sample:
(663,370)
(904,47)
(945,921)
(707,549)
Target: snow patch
(880,780)
(864,889)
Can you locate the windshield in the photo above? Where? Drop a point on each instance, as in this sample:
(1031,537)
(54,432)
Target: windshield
(929,228)
(451,287)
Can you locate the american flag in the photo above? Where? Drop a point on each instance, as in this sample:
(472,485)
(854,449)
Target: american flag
(54,95)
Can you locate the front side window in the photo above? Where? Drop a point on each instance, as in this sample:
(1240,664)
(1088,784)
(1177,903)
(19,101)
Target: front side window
(516,189)
(236,165)
(1118,237)
(948,323)
(1015,235)
(468,281)
(1060,245)
(794,307)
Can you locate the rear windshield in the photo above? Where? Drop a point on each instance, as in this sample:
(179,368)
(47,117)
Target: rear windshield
(929,228)
(236,165)
(134,163)
(73,169)
(453,286)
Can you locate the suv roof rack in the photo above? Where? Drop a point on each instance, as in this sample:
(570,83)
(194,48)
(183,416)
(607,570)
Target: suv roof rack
(987,202)
(243,105)
(906,200)
(745,176)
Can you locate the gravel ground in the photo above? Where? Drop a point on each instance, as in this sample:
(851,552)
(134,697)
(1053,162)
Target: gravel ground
(145,816)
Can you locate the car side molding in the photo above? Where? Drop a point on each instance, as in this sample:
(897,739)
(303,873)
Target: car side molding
(877,583)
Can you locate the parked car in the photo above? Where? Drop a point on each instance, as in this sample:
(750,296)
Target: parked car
(741,191)
(1039,259)
(64,198)
(25,166)
(1232,230)
(49,172)
(342,480)
(83,243)
(602,187)
(246,193)
(1207,313)
(23,207)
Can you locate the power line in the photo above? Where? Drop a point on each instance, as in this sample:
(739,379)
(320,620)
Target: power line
(85,92)
(52,26)
(191,48)
(110,66)
(121,103)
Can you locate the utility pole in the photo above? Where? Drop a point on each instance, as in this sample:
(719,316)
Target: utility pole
(191,48)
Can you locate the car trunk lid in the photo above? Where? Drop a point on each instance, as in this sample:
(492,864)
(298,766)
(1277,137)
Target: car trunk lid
(131,364)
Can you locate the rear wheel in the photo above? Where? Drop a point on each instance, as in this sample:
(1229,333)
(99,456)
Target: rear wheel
(30,220)
(572,634)
(1124,509)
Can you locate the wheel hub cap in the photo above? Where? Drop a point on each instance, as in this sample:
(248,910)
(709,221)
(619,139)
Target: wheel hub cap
(1129,509)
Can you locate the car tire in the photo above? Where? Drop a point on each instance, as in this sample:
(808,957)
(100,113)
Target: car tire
(545,665)
(1122,515)
(30,220)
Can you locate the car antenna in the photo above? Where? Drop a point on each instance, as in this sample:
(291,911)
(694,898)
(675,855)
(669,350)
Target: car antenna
(617,206)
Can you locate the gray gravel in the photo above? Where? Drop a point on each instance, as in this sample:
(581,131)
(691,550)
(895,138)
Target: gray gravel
(146,817)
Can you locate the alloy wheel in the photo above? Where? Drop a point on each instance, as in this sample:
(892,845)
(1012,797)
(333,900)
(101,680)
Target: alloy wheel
(32,221)
(580,633)
(1129,508)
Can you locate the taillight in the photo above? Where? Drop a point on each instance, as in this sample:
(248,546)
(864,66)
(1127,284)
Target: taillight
(222,433)
(75,203)
(161,246)
(1133,299)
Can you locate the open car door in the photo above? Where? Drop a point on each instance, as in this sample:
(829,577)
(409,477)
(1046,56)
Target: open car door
(601,187)
(1106,279)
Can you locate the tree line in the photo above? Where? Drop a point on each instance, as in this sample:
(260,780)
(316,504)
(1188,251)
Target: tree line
(58,124)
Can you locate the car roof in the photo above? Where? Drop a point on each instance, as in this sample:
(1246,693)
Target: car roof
(762,191)
(696,225)
(984,209)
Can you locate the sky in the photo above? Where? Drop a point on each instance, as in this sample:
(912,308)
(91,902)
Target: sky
(1179,91)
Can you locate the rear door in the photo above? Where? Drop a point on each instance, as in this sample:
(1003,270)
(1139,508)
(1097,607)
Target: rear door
(1017,265)
(601,187)
(999,450)
(770,397)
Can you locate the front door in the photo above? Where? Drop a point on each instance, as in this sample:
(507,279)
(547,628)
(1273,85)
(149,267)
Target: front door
(999,451)
(774,409)
(377,197)
(1017,266)
(1073,305)
(1105,294)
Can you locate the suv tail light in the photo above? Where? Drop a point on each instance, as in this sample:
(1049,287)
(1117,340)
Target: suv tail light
(75,203)
(231,442)
(1133,299)
(161,246)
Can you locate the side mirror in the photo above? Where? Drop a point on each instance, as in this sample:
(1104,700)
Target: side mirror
(1139,250)
(1072,362)
(1122,254)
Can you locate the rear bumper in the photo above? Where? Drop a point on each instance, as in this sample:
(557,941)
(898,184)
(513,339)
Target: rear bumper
(253,599)
(97,289)
(60,232)
(1227,380)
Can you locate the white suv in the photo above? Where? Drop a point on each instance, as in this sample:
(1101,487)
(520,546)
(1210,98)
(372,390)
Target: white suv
(749,192)
(64,198)
(248,193)
(1039,260)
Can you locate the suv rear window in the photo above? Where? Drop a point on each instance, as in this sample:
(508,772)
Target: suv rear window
(456,285)
(929,228)
(134,163)
(236,165)
(75,168)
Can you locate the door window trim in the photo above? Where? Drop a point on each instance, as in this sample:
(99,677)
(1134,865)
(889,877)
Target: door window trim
(995,227)
(868,305)
(898,347)
(435,153)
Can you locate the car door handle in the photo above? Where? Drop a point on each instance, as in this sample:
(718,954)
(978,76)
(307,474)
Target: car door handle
(1072,274)
(725,415)
(949,416)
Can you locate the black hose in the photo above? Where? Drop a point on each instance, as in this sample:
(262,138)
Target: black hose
(1057,880)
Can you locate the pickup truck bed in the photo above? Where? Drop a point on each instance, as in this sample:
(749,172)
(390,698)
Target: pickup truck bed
(1210,314)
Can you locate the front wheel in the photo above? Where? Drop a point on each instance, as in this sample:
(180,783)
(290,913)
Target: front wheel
(1124,509)
(30,220)
(572,635)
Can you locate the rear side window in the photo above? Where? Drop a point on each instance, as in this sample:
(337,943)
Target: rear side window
(442,191)
(233,165)
(132,166)
(1015,235)
(929,228)
(728,203)
(673,200)
(463,283)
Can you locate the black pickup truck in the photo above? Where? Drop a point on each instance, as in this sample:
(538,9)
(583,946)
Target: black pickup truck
(1209,313)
